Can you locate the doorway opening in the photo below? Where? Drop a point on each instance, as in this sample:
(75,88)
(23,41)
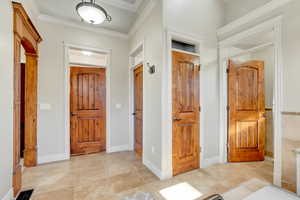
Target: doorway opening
(87,103)
(182,108)
(250,104)
(136,99)
(250,96)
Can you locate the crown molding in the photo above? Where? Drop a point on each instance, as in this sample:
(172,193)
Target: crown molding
(142,17)
(253,15)
(54,20)
(123,5)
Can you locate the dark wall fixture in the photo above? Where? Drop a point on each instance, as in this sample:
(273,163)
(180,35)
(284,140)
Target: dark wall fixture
(151,68)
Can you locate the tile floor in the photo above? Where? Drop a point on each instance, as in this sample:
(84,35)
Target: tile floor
(113,176)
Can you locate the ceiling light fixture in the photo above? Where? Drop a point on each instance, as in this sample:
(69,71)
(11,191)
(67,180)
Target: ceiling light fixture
(92,13)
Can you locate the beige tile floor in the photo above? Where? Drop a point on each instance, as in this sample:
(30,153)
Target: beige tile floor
(113,176)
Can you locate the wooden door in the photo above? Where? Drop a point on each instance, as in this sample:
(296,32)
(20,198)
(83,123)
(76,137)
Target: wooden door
(88,114)
(246,99)
(138,110)
(186,108)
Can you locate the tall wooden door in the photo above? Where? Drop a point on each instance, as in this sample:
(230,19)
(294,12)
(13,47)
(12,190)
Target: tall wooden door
(138,110)
(186,108)
(88,114)
(246,99)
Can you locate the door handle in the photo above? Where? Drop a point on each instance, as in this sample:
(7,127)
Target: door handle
(176,119)
(73,114)
(134,114)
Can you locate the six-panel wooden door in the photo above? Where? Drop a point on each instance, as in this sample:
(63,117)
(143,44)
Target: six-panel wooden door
(246,115)
(138,110)
(88,114)
(186,109)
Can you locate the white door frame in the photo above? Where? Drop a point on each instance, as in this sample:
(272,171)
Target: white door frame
(132,66)
(274,25)
(167,101)
(67,65)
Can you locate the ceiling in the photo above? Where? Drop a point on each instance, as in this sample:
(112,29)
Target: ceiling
(123,12)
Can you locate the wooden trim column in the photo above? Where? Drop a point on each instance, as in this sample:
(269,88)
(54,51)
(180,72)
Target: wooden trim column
(31,72)
(25,35)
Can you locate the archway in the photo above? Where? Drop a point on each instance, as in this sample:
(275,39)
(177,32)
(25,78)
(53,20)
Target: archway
(25,35)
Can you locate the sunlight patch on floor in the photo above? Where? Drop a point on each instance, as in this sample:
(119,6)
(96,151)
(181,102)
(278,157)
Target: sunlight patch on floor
(180,191)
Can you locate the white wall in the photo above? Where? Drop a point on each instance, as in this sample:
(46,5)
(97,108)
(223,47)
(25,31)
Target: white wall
(235,9)
(151,32)
(201,19)
(6,91)
(51,123)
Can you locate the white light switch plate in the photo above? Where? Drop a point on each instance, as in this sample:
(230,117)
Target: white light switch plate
(45,106)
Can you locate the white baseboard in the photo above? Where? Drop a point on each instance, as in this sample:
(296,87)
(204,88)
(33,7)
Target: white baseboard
(120,148)
(52,158)
(153,169)
(268,158)
(210,161)
(9,195)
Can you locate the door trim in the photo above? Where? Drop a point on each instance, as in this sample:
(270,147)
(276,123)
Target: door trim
(274,25)
(132,66)
(67,66)
(167,166)
(27,36)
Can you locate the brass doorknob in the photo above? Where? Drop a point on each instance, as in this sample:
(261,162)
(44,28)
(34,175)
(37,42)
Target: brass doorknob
(176,119)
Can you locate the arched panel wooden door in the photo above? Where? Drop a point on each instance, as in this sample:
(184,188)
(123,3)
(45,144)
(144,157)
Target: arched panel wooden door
(88,110)
(186,112)
(27,36)
(246,100)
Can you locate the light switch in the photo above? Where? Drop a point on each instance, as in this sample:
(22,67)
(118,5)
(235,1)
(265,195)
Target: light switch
(45,106)
(118,106)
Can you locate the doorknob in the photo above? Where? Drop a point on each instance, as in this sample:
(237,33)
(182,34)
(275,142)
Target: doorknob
(176,119)
(263,115)
(134,114)
(73,114)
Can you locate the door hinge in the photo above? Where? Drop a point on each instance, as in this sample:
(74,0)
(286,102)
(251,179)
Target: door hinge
(199,68)
(227,70)
(200,109)
(228,108)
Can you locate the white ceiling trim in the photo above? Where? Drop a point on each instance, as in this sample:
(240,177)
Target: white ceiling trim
(47,18)
(142,17)
(253,15)
(123,5)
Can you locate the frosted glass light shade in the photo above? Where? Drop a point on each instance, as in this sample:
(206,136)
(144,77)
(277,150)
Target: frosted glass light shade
(92,13)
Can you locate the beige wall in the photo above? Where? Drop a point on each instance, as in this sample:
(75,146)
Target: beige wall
(152,33)
(6,92)
(235,9)
(291,141)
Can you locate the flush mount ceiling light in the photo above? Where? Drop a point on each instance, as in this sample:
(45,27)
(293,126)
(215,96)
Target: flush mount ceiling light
(92,13)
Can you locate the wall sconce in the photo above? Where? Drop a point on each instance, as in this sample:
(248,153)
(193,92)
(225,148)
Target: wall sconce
(151,68)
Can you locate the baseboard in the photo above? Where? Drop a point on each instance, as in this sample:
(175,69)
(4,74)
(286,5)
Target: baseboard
(120,148)
(9,195)
(268,158)
(210,161)
(153,169)
(52,158)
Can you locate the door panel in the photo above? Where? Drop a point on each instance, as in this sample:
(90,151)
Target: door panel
(246,99)
(138,110)
(88,115)
(186,106)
